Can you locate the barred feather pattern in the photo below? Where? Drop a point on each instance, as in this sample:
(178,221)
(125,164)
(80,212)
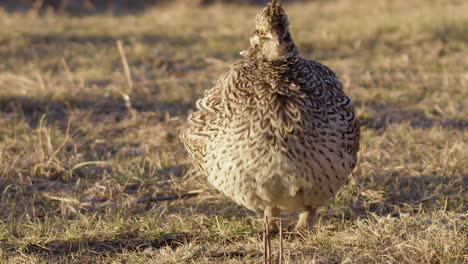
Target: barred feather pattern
(279,134)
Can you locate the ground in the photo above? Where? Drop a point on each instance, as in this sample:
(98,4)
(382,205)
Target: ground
(78,166)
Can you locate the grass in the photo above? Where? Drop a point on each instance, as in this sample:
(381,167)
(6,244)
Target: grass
(74,163)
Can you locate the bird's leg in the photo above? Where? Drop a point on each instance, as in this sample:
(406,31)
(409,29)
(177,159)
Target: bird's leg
(269,212)
(306,219)
(280,252)
(266,240)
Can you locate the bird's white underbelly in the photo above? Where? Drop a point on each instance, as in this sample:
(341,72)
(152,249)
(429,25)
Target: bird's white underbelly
(256,176)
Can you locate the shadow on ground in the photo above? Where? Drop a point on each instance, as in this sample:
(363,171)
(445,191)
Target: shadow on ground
(427,191)
(126,242)
(100,109)
(386,114)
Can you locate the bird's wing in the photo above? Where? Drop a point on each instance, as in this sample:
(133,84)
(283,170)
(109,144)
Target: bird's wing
(329,102)
(202,123)
(217,107)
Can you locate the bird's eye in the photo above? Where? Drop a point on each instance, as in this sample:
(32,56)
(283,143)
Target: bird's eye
(260,34)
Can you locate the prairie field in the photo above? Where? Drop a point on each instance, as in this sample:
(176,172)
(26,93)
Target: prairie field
(91,105)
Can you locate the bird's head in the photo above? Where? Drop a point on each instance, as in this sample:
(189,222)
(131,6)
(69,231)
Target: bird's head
(271,38)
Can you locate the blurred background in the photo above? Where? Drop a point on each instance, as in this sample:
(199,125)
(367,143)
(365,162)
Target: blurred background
(93,94)
(93,5)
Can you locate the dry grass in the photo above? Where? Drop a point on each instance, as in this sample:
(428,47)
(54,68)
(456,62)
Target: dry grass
(74,163)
